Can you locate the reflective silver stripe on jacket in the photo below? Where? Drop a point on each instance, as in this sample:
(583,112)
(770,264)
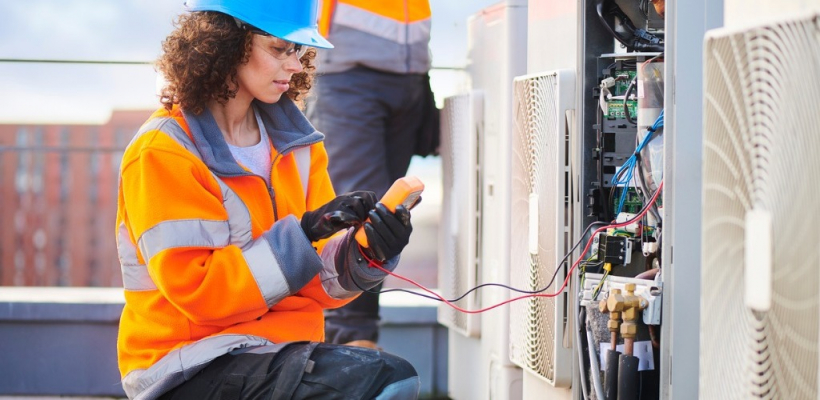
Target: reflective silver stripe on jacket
(239,218)
(383,27)
(180,364)
(266,271)
(183,233)
(134,273)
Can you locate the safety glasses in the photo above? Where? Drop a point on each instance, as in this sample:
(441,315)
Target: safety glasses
(279,48)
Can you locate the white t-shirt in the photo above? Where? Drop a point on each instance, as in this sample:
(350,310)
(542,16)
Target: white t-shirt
(256,158)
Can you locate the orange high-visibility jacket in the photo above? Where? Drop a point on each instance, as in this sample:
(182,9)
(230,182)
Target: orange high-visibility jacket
(386,35)
(212,258)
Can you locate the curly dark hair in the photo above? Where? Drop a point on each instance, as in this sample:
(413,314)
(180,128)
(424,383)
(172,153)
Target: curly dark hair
(201,56)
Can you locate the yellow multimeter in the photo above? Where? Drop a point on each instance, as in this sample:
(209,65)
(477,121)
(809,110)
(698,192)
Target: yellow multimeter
(404,191)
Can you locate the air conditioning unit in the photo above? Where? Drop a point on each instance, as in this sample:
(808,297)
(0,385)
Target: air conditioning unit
(460,226)
(497,48)
(540,223)
(760,281)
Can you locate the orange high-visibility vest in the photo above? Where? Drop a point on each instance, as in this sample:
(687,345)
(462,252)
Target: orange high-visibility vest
(212,258)
(386,35)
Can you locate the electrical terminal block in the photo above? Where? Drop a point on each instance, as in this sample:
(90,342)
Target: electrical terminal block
(616,250)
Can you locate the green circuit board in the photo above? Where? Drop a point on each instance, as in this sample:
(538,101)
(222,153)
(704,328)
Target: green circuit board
(615,108)
(632,203)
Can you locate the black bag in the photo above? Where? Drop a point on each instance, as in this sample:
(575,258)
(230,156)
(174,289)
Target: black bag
(429,134)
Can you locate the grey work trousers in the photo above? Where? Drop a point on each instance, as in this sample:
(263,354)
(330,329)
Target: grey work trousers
(371,120)
(302,370)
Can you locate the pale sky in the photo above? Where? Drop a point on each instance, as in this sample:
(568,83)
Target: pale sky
(132,30)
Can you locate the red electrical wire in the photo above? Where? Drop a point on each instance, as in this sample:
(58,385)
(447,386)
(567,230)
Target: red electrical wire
(640,215)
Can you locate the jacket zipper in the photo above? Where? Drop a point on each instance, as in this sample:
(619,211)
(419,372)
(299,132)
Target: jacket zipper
(271,193)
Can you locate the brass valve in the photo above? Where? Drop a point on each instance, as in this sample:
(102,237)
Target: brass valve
(631,312)
(615,301)
(613,304)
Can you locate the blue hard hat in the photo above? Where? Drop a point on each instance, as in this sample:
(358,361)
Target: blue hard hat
(292,20)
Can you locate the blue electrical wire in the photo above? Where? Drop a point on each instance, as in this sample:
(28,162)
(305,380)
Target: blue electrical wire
(625,173)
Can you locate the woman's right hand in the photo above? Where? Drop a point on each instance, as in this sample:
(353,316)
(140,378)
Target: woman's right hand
(388,233)
(345,211)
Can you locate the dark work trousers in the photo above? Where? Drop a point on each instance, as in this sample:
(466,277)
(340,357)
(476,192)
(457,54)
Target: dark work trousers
(302,370)
(371,120)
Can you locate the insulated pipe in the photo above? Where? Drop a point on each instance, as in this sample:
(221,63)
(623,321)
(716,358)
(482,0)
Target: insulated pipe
(648,274)
(581,364)
(628,378)
(593,365)
(611,375)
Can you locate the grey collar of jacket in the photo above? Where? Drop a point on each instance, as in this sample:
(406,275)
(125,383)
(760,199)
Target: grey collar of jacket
(287,127)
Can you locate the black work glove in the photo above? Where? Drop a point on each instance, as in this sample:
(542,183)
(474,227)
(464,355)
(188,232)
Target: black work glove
(388,233)
(345,211)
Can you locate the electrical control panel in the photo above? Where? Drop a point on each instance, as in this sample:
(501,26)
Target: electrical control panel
(621,118)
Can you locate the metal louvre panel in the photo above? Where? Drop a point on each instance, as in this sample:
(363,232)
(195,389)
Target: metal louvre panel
(760,151)
(538,226)
(460,214)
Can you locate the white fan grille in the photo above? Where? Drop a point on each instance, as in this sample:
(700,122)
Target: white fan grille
(538,175)
(761,150)
(458,268)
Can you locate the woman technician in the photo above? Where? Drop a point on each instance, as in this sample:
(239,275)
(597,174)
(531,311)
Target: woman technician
(227,223)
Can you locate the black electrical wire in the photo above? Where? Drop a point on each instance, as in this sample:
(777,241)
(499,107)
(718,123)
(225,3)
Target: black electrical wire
(629,64)
(599,9)
(626,64)
(563,261)
(350,274)
(552,280)
(644,6)
(640,40)
(626,99)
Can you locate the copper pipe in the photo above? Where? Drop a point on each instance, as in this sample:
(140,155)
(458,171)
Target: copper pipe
(629,346)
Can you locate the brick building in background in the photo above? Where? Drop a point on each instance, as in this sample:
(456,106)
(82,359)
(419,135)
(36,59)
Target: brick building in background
(58,188)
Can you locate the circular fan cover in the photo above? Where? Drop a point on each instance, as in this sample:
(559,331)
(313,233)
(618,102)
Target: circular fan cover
(537,187)
(761,151)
